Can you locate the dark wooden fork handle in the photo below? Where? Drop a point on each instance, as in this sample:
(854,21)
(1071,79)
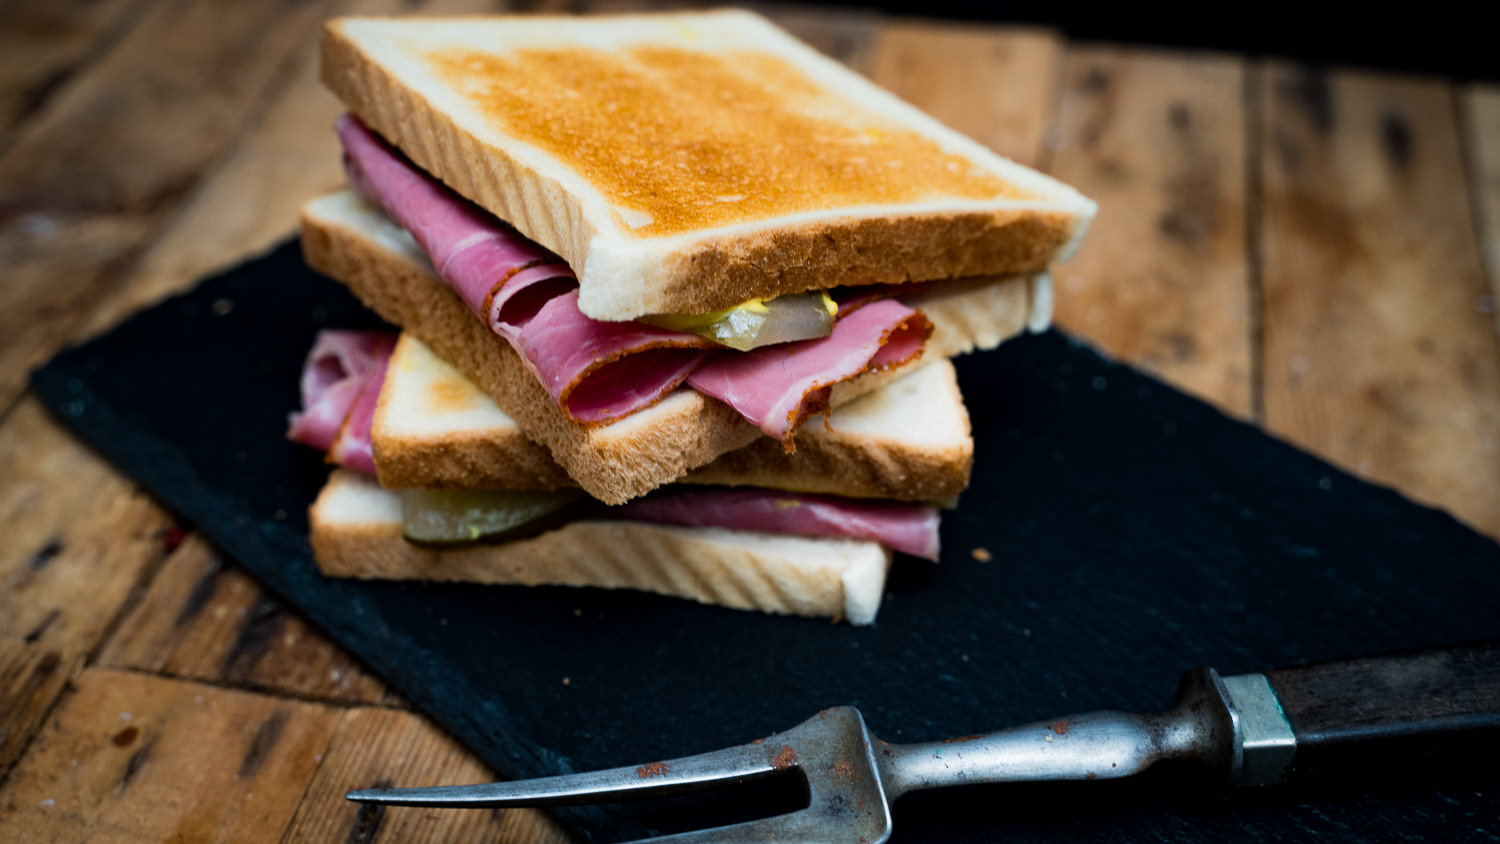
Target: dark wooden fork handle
(1404,713)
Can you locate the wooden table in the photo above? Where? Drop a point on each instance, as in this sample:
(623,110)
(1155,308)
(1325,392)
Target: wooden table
(1317,251)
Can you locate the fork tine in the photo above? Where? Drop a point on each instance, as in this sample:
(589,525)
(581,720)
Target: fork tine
(657,779)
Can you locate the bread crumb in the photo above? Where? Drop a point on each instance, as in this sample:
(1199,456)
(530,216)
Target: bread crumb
(981,554)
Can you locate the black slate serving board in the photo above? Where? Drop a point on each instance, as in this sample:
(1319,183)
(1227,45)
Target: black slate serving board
(1134,532)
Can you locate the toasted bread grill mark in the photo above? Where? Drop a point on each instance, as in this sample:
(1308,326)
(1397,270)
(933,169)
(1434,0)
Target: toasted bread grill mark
(713,140)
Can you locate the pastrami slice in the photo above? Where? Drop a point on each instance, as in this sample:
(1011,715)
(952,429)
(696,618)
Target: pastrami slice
(472,250)
(600,371)
(334,376)
(352,447)
(774,386)
(909,528)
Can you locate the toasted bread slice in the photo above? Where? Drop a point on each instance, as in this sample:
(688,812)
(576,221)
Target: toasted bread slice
(346,238)
(356,532)
(907,441)
(688,162)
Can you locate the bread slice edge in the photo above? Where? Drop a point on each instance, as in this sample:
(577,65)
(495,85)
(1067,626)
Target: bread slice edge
(356,533)
(351,241)
(625,277)
(910,440)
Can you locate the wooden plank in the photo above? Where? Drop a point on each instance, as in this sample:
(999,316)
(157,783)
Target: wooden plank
(78,538)
(1162,281)
(129,757)
(385,748)
(995,84)
(1375,354)
(93,176)
(203,618)
(31,679)
(845,35)
(1482,108)
(250,202)
(204,621)
(43,42)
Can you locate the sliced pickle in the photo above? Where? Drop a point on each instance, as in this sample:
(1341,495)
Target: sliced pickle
(750,325)
(450,517)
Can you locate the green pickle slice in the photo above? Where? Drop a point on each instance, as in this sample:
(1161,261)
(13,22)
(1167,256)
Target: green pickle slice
(461,517)
(750,325)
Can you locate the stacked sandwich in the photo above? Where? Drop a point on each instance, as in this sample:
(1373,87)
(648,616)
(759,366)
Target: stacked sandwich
(630,257)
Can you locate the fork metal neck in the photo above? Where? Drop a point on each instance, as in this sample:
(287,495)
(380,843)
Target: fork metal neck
(1201,728)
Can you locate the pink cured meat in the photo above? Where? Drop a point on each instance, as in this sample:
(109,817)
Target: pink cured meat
(599,371)
(770,386)
(353,447)
(472,250)
(510,282)
(910,528)
(341,383)
(335,375)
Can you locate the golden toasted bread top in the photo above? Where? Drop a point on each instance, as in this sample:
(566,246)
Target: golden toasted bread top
(686,139)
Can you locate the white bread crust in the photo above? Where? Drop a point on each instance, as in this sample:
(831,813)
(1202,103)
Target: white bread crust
(356,533)
(369,64)
(344,237)
(908,441)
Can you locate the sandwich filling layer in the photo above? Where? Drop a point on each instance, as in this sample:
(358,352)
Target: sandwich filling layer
(345,371)
(340,386)
(600,371)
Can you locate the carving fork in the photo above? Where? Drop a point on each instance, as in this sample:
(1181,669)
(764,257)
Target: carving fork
(1254,729)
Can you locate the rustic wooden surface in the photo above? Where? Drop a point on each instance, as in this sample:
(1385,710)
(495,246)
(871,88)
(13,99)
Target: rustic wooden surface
(1315,251)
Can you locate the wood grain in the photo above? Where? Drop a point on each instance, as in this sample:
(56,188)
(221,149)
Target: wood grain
(44,42)
(144,143)
(78,537)
(1482,109)
(996,85)
(385,748)
(1377,352)
(203,618)
(250,201)
(1158,139)
(31,679)
(130,757)
(845,35)
(168,99)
